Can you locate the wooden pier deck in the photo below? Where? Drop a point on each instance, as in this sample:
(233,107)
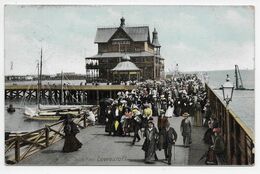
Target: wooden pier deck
(100,149)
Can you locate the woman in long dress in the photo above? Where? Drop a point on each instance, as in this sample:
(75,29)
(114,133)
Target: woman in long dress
(186,130)
(150,143)
(170,108)
(198,114)
(161,124)
(71,143)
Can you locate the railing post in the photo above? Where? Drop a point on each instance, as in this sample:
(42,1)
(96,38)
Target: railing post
(97,93)
(252,153)
(228,137)
(47,136)
(84,120)
(17,149)
(110,94)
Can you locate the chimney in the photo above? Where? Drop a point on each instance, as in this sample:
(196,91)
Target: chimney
(122,22)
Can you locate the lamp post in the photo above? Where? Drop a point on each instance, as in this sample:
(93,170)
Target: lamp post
(227,89)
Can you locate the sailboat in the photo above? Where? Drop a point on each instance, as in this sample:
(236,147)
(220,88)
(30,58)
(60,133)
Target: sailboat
(239,82)
(51,112)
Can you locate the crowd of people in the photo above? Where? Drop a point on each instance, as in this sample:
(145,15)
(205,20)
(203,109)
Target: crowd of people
(183,95)
(155,102)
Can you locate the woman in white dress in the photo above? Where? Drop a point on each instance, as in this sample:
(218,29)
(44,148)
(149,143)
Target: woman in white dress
(170,108)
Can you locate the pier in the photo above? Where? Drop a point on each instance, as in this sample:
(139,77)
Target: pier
(72,94)
(100,149)
(238,138)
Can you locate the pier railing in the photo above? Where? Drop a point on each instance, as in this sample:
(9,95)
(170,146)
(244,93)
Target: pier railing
(22,146)
(69,94)
(239,139)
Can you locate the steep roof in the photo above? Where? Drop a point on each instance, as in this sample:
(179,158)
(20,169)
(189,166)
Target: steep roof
(121,54)
(104,34)
(135,33)
(126,66)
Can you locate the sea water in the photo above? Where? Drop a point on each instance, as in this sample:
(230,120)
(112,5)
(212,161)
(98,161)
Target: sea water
(243,101)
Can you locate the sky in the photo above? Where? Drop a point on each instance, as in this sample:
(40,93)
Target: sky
(198,38)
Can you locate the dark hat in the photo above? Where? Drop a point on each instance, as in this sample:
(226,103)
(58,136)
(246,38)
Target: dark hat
(162,112)
(151,121)
(185,114)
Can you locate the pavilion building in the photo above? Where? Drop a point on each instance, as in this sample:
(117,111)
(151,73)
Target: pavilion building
(126,70)
(114,43)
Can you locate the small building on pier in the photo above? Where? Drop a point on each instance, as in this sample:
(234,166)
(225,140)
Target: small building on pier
(114,43)
(126,70)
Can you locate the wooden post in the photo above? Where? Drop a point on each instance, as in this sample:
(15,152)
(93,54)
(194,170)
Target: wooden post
(70,97)
(235,141)
(24,94)
(11,94)
(47,136)
(80,96)
(55,96)
(86,97)
(6,94)
(50,95)
(228,138)
(17,94)
(17,149)
(43,95)
(64,97)
(97,97)
(84,121)
(75,97)
(110,94)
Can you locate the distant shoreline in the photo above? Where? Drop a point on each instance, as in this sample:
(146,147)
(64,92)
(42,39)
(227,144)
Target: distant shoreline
(166,72)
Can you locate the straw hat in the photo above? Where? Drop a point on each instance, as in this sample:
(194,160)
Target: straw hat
(123,101)
(146,105)
(185,114)
(135,107)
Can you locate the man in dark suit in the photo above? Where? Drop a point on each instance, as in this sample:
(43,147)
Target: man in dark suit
(170,137)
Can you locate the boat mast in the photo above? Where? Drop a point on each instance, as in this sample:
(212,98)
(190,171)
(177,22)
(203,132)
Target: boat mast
(240,78)
(61,95)
(236,76)
(38,86)
(40,80)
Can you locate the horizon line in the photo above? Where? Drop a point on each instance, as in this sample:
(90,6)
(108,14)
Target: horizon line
(185,71)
